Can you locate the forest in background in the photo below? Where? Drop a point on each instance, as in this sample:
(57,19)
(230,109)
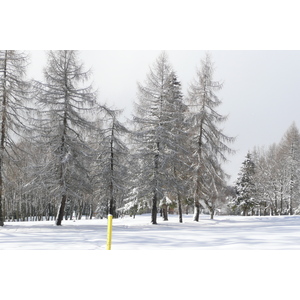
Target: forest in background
(268,182)
(63,154)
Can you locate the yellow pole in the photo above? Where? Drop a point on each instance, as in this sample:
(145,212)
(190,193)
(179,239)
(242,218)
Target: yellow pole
(109,232)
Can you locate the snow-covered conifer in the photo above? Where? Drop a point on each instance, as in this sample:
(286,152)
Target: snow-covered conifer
(155,140)
(63,101)
(277,175)
(290,148)
(179,161)
(110,165)
(207,141)
(245,186)
(14,93)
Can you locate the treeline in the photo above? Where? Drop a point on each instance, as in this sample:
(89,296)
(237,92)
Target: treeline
(64,155)
(269,180)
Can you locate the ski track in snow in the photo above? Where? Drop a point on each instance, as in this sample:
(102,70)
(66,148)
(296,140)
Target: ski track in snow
(222,233)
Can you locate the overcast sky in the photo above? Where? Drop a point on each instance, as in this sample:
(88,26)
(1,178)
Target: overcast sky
(261,88)
(261,92)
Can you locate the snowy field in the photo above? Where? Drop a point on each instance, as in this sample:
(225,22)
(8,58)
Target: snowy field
(222,233)
(236,273)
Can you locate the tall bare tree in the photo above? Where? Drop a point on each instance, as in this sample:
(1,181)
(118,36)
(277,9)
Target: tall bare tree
(277,176)
(290,148)
(153,136)
(208,142)
(110,164)
(63,101)
(14,91)
(178,163)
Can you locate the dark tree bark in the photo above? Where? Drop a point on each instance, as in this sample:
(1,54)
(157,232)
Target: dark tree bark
(198,190)
(112,207)
(179,208)
(196,211)
(155,192)
(1,200)
(61,210)
(154,209)
(91,211)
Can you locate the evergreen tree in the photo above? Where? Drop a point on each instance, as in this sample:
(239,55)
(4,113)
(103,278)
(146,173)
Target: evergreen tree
(245,186)
(63,103)
(268,180)
(290,148)
(208,143)
(14,93)
(277,175)
(110,166)
(153,139)
(179,163)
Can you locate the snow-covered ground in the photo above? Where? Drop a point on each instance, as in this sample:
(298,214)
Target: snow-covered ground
(222,233)
(181,274)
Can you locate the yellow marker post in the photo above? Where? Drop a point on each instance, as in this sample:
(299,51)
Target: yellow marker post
(109,232)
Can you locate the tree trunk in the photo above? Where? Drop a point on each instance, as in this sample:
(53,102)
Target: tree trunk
(198,189)
(112,208)
(47,214)
(91,211)
(281,200)
(212,212)
(155,192)
(154,209)
(61,210)
(196,211)
(80,210)
(63,152)
(276,205)
(1,212)
(179,208)
(290,208)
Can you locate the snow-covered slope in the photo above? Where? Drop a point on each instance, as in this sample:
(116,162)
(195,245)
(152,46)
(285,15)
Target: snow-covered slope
(222,233)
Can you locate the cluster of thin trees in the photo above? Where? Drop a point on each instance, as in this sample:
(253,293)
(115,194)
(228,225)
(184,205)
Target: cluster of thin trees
(269,180)
(64,155)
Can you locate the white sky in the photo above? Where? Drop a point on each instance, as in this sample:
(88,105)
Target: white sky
(261,92)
